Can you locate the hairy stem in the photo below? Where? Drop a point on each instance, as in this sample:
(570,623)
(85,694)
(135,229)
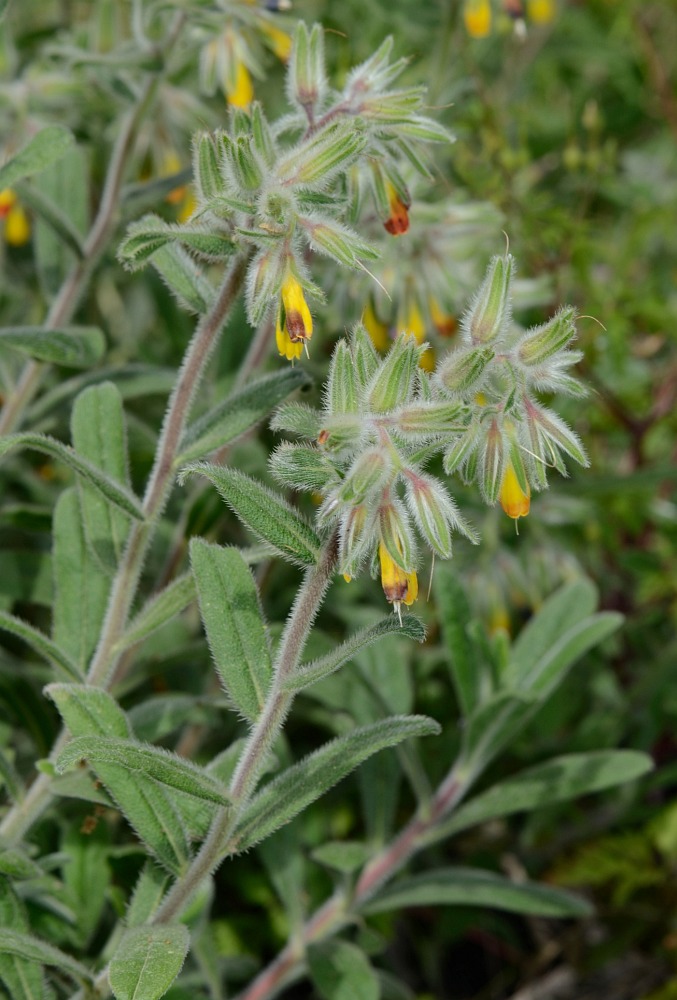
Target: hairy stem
(336,912)
(64,305)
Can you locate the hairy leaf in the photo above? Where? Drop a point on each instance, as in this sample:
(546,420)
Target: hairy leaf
(71,346)
(147,961)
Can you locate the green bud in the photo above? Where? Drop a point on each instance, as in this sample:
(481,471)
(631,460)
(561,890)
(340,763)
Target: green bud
(462,370)
(328,151)
(544,341)
(342,391)
(435,513)
(367,475)
(393,383)
(297,418)
(264,277)
(421,420)
(247,169)
(489,313)
(340,432)
(306,82)
(460,451)
(262,136)
(354,539)
(337,241)
(302,468)
(492,463)
(206,168)
(364,355)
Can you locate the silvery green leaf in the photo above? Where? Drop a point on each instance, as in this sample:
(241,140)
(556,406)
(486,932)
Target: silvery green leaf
(51,211)
(21,976)
(264,512)
(289,794)
(184,278)
(17,865)
(70,346)
(99,435)
(239,413)
(147,896)
(472,887)
(557,780)
(88,711)
(302,467)
(147,960)
(115,493)
(236,632)
(150,233)
(40,644)
(410,626)
(65,183)
(343,391)
(341,971)
(298,418)
(146,761)
(46,146)
(32,949)
(159,610)
(208,177)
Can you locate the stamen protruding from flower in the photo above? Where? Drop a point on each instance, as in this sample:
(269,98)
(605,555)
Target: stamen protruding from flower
(289,349)
(514,500)
(397,222)
(398,586)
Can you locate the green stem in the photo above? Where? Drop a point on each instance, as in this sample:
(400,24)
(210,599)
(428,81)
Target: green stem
(64,305)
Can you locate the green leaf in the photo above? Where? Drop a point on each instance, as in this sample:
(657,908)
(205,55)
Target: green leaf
(100,436)
(472,887)
(88,711)
(148,894)
(411,628)
(454,614)
(71,346)
(145,760)
(184,278)
(341,971)
(556,780)
(18,865)
(51,212)
(40,644)
(33,949)
(150,233)
(159,610)
(236,632)
(563,610)
(64,183)
(344,856)
(47,146)
(147,961)
(289,794)
(9,777)
(80,586)
(86,877)
(239,413)
(263,511)
(118,495)
(491,726)
(23,978)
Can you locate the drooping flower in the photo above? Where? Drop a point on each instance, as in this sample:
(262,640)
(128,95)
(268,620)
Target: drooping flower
(294,325)
(397,222)
(17,228)
(514,500)
(398,586)
(239,86)
(541,11)
(477,17)
(376,328)
(411,321)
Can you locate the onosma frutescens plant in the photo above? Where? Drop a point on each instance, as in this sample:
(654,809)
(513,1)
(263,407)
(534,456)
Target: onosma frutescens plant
(379,454)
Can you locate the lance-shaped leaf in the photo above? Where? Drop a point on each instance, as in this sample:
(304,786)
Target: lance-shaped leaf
(150,233)
(147,896)
(288,794)
(107,487)
(80,585)
(47,146)
(145,760)
(147,961)
(183,278)
(454,615)
(33,949)
(557,780)
(410,626)
(41,645)
(239,413)
(472,887)
(168,603)
(100,436)
(236,633)
(18,865)
(71,346)
(22,977)
(491,727)
(264,512)
(89,711)
(342,971)
(48,209)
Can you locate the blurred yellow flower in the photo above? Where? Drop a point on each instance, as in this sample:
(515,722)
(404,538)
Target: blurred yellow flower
(477,17)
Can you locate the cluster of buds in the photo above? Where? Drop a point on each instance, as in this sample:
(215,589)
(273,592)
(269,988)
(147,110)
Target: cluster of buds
(385,417)
(281,191)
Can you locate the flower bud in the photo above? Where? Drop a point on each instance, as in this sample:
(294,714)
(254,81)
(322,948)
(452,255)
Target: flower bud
(492,463)
(392,384)
(206,168)
(489,313)
(397,222)
(423,420)
(342,389)
(544,341)
(301,467)
(307,83)
(354,539)
(462,369)
(367,474)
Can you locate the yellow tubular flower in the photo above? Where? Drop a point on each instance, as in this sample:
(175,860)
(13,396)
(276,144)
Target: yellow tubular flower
(17,227)
(298,321)
(239,87)
(278,40)
(187,206)
(7,202)
(397,222)
(443,321)
(378,331)
(289,350)
(477,18)
(541,11)
(514,501)
(398,586)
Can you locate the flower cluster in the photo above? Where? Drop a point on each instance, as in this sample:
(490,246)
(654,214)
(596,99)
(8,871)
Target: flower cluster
(478,15)
(384,418)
